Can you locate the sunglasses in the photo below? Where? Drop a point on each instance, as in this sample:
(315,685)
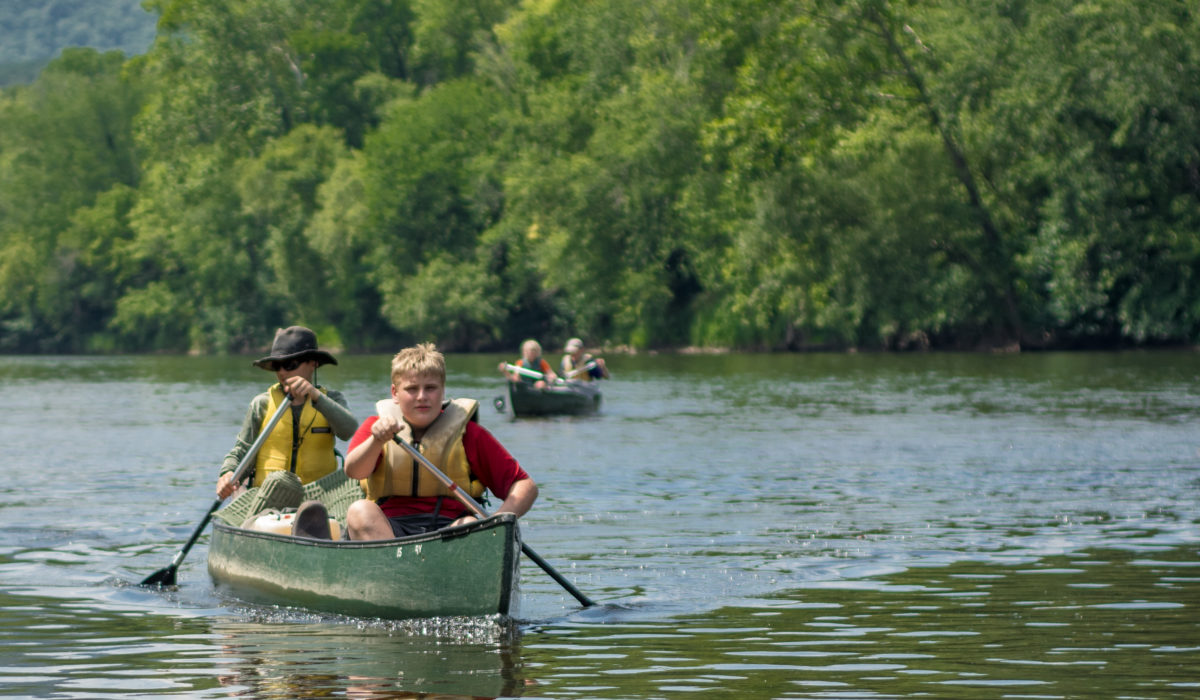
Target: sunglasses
(286,365)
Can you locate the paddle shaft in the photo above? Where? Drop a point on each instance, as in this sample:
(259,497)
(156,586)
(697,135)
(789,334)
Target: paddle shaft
(527,372)
(478,510)
(577,370)
(244,465)
(166,577)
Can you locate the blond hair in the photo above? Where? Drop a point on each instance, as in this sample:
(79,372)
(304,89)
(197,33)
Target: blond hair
(423,359)
(531,343)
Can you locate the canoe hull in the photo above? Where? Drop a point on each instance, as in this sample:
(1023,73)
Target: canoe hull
(468,570)
(573,398)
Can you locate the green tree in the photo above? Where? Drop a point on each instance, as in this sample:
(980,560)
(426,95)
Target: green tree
(278,195)
(202,281)
(447,34)
(224,74)
(603,157)
(1107,181)
(95,269)
(64,141)
(429,189)
(838,112)
(341,235)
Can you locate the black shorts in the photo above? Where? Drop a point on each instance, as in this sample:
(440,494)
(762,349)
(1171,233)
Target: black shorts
(404,525)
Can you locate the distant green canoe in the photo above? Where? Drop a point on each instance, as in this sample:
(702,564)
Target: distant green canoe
(468,570)
(568,398)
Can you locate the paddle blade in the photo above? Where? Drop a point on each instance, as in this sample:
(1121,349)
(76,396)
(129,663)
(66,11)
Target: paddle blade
(161,578)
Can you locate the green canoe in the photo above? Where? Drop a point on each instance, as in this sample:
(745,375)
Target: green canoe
(569,398)
(467,570)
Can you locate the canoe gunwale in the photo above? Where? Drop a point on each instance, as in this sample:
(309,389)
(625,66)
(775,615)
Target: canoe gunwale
(448,533)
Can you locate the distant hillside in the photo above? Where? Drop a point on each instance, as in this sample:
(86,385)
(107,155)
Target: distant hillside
(33,31)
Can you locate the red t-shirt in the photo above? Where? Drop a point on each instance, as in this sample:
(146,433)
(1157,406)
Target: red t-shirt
(490,463)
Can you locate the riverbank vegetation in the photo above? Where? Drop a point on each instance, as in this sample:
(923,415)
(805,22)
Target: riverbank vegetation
(757,174)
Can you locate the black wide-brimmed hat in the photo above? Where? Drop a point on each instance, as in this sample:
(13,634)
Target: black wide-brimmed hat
(294,342)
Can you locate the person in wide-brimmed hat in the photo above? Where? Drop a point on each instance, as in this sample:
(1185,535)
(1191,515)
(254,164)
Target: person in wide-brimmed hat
(295,343)
(302,443)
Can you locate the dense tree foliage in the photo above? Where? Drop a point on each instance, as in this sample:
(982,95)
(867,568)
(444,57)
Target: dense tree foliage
(775,174)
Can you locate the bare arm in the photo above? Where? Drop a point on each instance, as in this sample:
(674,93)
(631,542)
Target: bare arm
(362,459)
(520,498)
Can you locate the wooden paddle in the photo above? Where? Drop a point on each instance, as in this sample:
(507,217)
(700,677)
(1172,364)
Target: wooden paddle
(478,510)
(166,575)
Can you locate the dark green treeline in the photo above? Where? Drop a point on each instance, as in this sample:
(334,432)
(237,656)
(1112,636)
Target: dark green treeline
(775,174)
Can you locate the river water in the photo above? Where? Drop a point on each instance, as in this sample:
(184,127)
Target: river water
(762,526)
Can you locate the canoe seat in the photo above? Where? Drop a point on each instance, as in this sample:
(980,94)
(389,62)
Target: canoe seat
(337,492)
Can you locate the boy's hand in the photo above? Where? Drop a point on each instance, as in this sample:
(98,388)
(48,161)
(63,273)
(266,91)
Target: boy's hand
(385,428)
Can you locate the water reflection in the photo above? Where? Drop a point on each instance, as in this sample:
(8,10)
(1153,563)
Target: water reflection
(428,658)
(50,647)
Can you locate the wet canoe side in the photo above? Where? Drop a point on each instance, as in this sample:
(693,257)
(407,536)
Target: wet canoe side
(468,570)
(572,398)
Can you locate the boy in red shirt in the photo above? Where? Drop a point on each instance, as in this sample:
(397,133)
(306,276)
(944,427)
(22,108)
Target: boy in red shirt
(403,498)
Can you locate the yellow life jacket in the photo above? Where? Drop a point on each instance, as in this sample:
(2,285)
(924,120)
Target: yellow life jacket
(441,444)
(310,455)
(568,366)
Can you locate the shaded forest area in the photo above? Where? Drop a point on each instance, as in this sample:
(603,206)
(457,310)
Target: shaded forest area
(751,174)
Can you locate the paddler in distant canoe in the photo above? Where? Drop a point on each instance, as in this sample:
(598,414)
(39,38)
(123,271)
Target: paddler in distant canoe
(531,360)
(581,366)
